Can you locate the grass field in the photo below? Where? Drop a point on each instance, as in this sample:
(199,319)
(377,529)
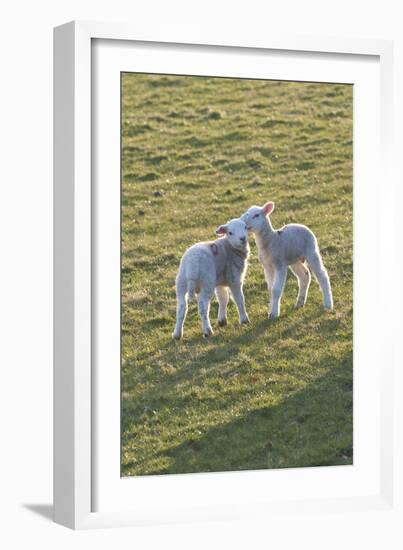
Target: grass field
(195,153)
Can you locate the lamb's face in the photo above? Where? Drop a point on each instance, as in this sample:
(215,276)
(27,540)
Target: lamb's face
(255,217)
(236,232)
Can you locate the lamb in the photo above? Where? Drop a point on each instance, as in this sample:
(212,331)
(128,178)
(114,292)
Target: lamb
(289,246)
(218,265)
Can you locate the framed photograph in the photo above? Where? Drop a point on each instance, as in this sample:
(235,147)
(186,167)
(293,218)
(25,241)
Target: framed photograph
(223,333)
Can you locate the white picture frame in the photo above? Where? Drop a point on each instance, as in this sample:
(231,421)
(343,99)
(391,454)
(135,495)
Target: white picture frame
(79,422)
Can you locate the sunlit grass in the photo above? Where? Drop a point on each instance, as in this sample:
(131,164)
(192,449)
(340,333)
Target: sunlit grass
(196,152)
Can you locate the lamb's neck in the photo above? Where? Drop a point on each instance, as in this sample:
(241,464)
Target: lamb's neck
(265,235)
(244,253)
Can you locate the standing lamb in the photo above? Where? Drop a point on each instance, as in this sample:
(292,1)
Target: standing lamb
(289,246)
(219,265)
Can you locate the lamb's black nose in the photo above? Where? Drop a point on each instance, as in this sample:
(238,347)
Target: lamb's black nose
(243,239)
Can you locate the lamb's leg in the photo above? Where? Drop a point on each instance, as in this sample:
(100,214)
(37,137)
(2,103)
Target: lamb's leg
(269,276)
(204,309)
(304,279)
(223,298)
(315,262)
(181,309)
(239,299)
(280,276)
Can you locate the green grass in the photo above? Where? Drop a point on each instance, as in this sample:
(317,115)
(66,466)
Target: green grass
(195,153)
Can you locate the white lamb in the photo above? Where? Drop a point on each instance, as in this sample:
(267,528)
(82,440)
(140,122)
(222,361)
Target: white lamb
(289,246)
(218,265)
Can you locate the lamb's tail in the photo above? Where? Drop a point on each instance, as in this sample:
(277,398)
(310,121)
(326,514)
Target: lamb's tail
(191,289)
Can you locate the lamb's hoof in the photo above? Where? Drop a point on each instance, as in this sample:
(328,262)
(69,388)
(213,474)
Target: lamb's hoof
(298,305)
(176,336)
(273,316)
(245,321)
(208,332)
(327,309)
(222,322)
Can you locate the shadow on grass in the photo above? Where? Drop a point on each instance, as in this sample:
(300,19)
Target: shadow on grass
(188,358)
(309,427)
(312,427)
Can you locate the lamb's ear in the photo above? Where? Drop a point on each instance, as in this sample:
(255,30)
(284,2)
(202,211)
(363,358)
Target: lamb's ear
(268,208)
(222,230)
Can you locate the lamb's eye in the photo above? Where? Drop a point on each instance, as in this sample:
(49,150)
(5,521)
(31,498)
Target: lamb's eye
(256,216)
(230,232)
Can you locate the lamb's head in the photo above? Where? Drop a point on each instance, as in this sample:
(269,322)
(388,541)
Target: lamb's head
(255,217)
(235,231)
